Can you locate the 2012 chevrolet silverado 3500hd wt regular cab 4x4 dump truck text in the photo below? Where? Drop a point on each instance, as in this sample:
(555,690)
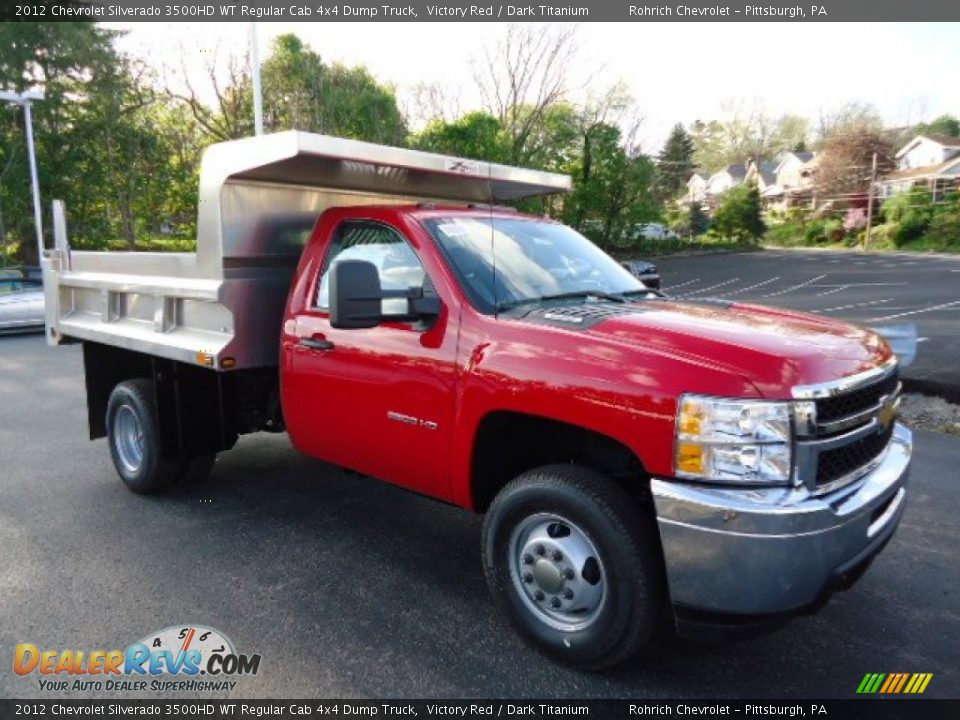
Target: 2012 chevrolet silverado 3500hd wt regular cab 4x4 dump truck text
(632,453)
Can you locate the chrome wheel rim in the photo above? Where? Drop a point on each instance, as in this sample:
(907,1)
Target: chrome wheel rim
(128,438)
(557,571)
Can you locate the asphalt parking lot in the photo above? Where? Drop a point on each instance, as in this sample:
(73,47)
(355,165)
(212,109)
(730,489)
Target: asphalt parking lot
(351,588)
(871,289)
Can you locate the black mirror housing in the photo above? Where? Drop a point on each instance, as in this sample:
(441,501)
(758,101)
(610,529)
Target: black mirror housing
(355,295)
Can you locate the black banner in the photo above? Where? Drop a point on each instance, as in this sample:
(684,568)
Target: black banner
(463,10)
(482,709)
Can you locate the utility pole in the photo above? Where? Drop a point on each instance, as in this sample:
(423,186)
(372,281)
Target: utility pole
(255,72)
(24,99)
(873,180)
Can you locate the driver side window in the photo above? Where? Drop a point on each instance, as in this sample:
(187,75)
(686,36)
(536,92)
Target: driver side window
(396,262)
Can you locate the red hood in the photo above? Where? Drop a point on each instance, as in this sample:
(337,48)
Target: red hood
(774,349)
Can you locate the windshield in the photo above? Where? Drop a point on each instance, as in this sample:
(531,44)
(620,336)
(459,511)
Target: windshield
(534,261)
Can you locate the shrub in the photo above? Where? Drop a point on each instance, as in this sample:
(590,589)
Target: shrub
(739,215)
(855,220)
(816,231)
(833,230)
(911,227)
(944,230)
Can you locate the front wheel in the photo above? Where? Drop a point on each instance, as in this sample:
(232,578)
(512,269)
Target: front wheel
(575,565)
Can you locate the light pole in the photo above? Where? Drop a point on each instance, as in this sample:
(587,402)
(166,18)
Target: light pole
(255,72)
(25,99)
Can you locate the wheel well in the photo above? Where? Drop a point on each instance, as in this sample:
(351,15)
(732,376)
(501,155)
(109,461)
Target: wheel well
(509,443)
(199,411)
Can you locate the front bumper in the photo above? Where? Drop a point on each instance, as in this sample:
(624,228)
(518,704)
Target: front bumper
(776,550)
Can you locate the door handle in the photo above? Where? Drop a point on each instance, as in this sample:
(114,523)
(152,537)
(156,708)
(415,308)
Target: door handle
(316,343)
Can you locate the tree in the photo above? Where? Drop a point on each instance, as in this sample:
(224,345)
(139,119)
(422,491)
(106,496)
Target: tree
(429,101)
(791,133)
(87,129)
(851,117)
(522,77)
(746,133)
(739,215)
(612,186)
(687,219)
(300,92)
(675,164)
(699,221)
(948,125)
(476,135)
(846,159)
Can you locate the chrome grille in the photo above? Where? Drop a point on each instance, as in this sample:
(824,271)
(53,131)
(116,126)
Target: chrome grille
(832,465)
(851,403)
(853,430)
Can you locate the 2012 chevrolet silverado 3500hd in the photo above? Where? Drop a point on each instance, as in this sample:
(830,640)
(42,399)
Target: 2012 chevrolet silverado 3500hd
(633,454)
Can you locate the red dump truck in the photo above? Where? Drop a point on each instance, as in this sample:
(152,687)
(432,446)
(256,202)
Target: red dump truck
(636,457)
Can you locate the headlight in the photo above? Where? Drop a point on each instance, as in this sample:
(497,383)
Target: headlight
(737,441)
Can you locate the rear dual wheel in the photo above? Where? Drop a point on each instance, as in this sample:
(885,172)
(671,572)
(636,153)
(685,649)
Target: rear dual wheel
(135,442)
(575,565)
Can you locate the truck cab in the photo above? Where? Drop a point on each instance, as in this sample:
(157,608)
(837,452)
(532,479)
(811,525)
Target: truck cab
(635,457)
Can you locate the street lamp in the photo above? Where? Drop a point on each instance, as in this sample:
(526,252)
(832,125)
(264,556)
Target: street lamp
(25,99)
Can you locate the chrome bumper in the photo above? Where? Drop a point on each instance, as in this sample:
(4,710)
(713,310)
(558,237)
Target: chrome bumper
(775,550)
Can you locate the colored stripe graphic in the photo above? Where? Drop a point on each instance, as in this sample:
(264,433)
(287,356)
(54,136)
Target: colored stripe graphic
(894,683)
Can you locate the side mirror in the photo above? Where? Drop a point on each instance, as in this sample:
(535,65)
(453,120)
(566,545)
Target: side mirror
(355,295)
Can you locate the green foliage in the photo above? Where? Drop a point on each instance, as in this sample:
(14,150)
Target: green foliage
(910,215)
(611,193)
(674,164)
(739,215)
(909,221)
(948,125)
(687,219)
(477,135)
(300,92)
(611,187)
(103,143)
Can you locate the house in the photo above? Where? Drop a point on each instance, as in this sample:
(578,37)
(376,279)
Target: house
(793,181)
(792,170)
(927,161)
(762,174)
(927,150)
(726,178)
(697,187)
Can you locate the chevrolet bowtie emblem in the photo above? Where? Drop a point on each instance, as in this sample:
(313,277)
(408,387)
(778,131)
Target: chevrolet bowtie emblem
(888,411)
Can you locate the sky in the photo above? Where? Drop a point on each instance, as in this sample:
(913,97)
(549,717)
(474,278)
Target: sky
(676,72)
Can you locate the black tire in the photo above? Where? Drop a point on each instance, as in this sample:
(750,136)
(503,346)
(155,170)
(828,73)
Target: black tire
(626,540)
(196,470)
(153,472)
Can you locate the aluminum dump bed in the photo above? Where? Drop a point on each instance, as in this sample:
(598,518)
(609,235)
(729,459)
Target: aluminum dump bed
(259,198)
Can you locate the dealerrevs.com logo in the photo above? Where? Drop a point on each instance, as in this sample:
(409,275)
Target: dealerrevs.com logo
(187,658)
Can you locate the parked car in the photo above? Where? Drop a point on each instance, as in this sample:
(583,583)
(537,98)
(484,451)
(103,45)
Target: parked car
(645,271)
(632,453)
(21,304)
(655,231)
(25,272)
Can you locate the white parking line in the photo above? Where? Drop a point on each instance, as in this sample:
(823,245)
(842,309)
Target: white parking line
(750,287)
(917,312)
(683,284)
(796,287)
(837,289)
(855,305)
(711,287)
(862,284)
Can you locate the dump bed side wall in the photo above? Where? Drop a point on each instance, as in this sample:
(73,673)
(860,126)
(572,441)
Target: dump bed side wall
(188,307)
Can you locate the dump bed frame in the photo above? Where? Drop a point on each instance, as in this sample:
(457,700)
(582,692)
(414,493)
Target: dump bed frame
(222,306)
